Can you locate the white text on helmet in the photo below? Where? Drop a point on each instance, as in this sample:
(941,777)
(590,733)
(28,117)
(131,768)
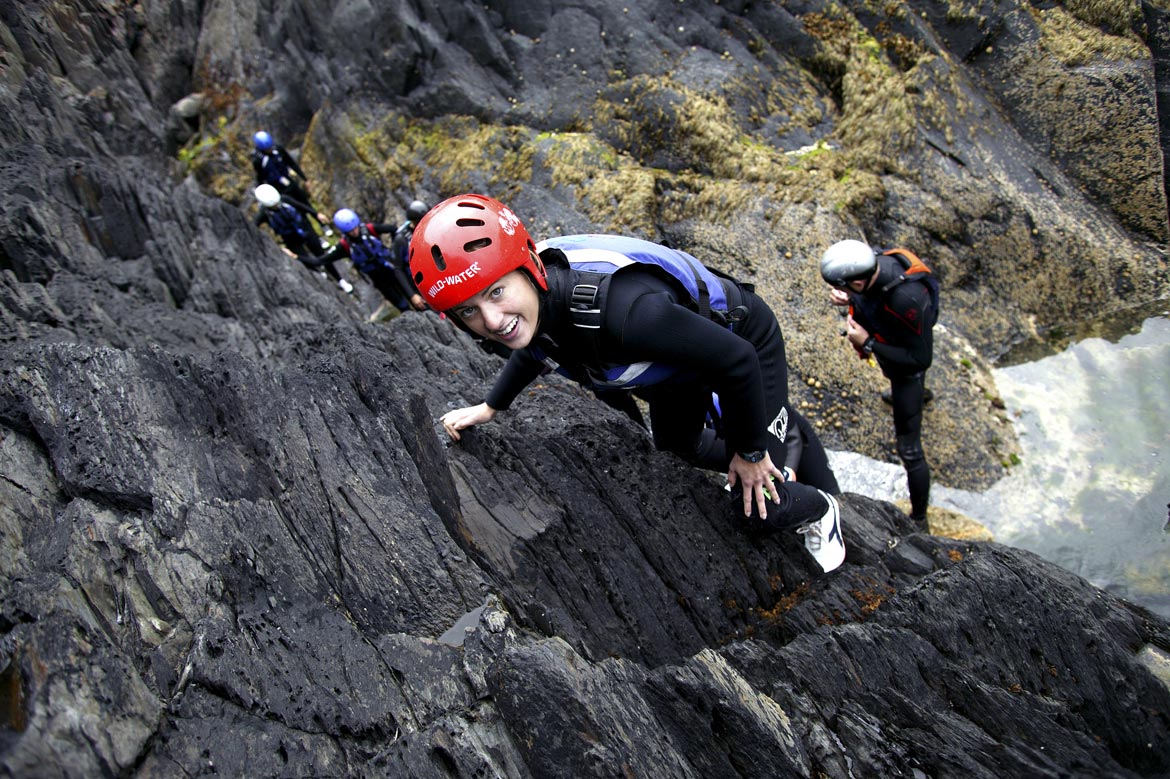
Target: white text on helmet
(450,281)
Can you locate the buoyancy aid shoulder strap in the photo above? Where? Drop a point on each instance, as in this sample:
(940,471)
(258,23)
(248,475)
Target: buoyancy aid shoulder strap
(914,267)
(585,299)
(909,261)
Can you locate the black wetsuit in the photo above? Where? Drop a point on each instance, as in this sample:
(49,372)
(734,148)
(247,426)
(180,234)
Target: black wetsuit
(289,219)
(646,318)
(400,251)
(901,322)
(276,167)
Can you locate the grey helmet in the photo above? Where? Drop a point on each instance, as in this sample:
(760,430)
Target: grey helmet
(847,261)
(416,211)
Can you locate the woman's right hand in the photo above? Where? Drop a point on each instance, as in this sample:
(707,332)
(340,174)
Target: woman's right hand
(463,418)
(838,297)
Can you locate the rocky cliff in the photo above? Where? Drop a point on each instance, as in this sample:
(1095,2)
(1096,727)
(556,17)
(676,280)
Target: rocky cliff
(234,542)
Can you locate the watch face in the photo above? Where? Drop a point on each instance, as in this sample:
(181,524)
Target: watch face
(753,457)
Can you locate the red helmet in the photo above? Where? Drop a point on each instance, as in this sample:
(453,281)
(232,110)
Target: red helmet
(464,244)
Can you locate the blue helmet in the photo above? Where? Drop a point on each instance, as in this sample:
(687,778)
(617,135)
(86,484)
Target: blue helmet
(262,140)
(346,220)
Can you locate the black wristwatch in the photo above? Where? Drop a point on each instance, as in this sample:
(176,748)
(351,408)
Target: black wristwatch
(754,457)
(867,347)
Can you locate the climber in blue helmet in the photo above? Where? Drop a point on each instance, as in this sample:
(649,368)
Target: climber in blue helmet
(362,243)
(275,166)
(623,315)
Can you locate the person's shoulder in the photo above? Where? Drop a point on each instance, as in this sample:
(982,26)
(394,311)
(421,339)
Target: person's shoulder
(911,293)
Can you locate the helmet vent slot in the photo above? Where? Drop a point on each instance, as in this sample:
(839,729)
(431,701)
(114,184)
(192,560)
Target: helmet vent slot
(470,222)
(437,256)
(477,244)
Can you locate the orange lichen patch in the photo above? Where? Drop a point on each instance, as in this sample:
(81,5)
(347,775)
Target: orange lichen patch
(833,618)
(786,603)
(870,599)
(955,555)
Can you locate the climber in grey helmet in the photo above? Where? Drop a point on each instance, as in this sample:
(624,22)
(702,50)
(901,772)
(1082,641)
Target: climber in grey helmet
(893,304)
(416,211)
(400,248)
(847,261)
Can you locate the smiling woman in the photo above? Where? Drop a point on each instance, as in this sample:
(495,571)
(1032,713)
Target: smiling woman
(505,312)
(628,317)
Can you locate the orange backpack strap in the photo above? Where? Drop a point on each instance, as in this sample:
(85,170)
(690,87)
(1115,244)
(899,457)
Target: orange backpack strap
(913,267)
(910,261)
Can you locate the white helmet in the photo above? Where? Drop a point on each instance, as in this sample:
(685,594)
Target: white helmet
(268,196)
(847,261)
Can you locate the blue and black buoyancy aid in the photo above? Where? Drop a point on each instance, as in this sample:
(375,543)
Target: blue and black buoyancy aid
(367,253)
(596,258)
(286,220)
(273,166)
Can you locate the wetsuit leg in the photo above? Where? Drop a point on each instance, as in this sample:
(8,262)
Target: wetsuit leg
(800,502)
(907,395)
(814,468)
(678,414)
(295,244)
(623,401)
(297,192)
(383,279)
(313,242)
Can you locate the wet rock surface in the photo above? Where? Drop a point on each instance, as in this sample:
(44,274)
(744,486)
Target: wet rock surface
(234,541)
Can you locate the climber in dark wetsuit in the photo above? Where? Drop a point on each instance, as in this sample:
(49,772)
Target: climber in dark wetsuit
(894,300)
(625,315)
(274,165)
(289,219)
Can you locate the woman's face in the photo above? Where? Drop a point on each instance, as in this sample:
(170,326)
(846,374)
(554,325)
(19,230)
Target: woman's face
(505,311)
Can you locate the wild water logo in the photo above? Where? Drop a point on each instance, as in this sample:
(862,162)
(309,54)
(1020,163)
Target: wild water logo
(508,221)
(779,426)
(454,279)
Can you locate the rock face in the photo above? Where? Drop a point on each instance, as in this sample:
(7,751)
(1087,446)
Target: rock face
(234,541)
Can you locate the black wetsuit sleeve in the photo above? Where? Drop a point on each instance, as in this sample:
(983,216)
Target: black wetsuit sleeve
(520,371)
(261,217)
(258,167)
(304,208)
(909,345)
(645,322)
(292,162)
(336,253)
(382,228)
(403,278)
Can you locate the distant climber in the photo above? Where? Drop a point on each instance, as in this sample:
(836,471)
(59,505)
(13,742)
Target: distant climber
(363,245)
(893,300)
(400,248)
(621,314)
(401,244)
(274,165)
(289,219)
